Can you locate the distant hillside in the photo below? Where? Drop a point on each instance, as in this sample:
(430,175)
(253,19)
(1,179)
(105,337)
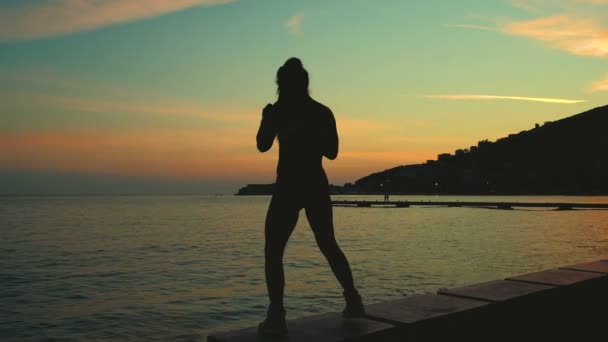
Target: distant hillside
(568,156)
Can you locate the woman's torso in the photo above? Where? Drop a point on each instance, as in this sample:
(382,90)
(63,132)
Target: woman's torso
(300,133)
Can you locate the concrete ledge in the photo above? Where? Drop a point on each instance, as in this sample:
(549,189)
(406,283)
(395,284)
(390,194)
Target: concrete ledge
(495,291)
(324,327)
(427,317)
(596,267)
(556,277)
(419,308)
(553,304)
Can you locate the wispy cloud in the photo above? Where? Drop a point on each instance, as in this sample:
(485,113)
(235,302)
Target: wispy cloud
(600,85)
(225,115)
(527,5)
(476,97)
(294,24)
(578,36)
(474,26)
(34,19)
(562,24)
(576,27)
(539,6)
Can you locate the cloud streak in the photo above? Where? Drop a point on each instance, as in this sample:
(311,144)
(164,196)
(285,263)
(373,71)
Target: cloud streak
(475,97)
(294,24)
(600,85)
(573,26)
(30,20)
(565,25)
(474,26)
(577,36)
(167,107)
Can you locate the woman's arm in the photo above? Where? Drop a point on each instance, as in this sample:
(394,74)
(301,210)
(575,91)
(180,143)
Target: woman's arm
(268,129)
(330,148)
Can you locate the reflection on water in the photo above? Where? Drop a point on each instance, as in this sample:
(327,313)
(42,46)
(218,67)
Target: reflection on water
(166,268)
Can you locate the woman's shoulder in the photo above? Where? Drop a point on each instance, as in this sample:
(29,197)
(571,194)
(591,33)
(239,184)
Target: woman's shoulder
(319,107)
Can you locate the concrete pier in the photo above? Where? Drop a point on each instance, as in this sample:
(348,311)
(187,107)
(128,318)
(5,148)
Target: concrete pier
(566,302)
(473,204)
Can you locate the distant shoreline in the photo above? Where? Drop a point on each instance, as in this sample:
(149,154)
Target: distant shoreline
(455,194)
(266,190)
(270,194)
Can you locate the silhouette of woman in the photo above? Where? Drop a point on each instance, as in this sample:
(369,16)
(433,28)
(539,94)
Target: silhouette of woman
(306,132)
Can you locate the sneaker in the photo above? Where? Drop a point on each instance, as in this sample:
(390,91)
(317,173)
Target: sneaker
(273,325)
(354,306)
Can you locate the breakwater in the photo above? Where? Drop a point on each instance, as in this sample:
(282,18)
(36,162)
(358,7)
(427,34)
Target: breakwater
(474,204)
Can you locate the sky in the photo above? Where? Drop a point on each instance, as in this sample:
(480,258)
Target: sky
(127,96)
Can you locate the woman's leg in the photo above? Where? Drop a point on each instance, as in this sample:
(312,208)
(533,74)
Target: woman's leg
(320,217)
(281,219)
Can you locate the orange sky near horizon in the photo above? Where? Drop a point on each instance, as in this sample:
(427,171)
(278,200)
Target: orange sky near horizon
(227,154)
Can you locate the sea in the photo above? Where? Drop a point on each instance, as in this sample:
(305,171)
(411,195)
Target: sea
(177,268)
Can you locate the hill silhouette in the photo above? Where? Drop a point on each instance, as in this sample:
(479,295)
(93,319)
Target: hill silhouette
(568,156)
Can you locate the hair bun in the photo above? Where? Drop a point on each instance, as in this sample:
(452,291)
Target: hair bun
(292,79)
(293,63)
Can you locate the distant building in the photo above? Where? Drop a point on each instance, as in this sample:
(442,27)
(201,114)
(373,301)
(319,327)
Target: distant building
(406,172)
(444,156)
(350,188)
(256,189)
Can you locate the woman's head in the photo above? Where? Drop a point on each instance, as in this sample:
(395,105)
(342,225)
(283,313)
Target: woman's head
(292,80)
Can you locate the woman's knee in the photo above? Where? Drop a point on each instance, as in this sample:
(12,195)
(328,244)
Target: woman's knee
(273,252)
(329,247)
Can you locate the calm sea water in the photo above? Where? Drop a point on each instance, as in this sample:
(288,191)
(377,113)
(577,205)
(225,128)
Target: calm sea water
(181,267)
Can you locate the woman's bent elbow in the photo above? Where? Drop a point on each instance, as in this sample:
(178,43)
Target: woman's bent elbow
(262,147)
(262,143)
(331,155)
